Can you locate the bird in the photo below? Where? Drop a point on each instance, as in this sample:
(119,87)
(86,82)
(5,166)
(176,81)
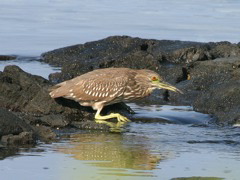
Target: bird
(102,87)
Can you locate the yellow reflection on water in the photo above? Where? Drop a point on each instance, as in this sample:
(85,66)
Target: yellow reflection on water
(113,127)
(114,154)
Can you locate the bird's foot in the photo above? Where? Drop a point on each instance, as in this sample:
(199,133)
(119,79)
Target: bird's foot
(119,117)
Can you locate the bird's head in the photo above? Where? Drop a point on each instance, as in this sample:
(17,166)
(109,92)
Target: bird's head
(155,81)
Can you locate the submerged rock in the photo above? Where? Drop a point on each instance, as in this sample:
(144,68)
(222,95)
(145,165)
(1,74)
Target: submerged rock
(22,139)
(208,73)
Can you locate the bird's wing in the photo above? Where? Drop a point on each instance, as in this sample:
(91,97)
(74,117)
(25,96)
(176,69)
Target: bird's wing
(92,87)
(99,88)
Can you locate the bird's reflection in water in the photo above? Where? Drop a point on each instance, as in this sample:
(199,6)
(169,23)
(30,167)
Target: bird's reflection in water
(113,127)
(113,150)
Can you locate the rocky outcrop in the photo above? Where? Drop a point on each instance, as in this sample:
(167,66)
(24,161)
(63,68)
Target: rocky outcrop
(124,51)
(213,87)
(208,73)
(28,112)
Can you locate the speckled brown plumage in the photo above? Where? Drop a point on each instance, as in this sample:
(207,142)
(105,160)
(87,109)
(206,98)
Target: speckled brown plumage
(102,87)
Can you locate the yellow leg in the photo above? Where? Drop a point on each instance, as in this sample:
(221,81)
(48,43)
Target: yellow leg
(119,117)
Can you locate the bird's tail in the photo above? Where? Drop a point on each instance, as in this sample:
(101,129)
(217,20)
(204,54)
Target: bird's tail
(58,90)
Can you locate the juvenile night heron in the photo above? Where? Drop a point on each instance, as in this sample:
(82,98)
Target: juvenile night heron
(103,87)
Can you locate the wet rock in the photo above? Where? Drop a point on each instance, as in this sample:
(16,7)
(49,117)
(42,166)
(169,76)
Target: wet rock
(213,88)
(11,124)
(45,134)
(90,125)
(6,152)
(15,131)
(208,73)
(22,139)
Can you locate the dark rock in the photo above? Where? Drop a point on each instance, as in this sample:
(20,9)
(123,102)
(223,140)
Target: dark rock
(90,125)
(24,92)
(6,57)
(14,130)
(22,139)
(124,51)
(111,52)
(213,88)
(8,151)
(45,134)
(208,73)
(11,124)
(27,96)
(53,120)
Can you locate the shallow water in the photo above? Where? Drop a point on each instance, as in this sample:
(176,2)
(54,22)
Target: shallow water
(31,65)
(33,27)
(145,151)
(184,145)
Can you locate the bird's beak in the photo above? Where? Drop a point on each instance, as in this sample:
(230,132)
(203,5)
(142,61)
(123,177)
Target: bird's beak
(165,85)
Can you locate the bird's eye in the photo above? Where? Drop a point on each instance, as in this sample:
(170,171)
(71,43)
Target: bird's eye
(154,78)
